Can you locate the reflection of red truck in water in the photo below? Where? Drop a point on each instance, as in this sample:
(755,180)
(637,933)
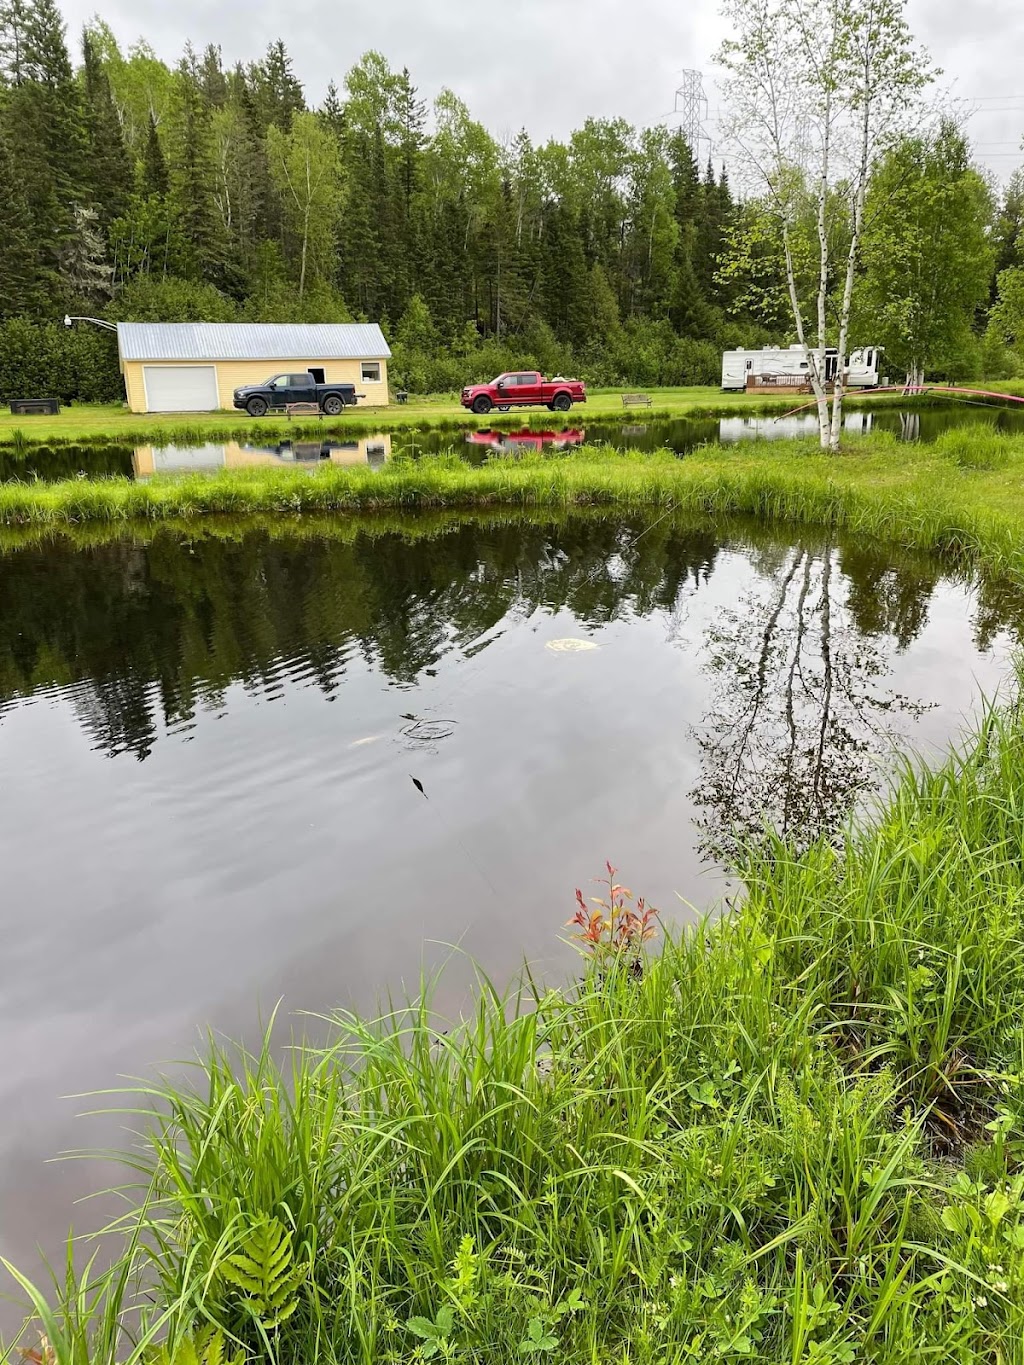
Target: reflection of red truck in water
(506,442)
(524,389)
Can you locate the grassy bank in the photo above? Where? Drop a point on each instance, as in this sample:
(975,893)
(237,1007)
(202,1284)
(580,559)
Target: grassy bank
(962,495)
(108,423)
(794,1135)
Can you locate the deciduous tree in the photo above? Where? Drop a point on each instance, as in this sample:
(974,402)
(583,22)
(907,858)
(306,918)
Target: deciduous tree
(816,92)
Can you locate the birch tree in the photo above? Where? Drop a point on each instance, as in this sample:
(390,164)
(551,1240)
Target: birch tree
(815,91)
(306,168)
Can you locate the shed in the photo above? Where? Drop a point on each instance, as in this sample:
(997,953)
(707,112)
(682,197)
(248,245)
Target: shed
(196,366)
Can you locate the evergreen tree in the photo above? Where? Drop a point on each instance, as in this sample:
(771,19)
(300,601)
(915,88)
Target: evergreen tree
(43,131)
(85,271)
(19,259)
(108,167)
(61,127)
(154,179)
(192,175)
(276,90)
(13,40)
(332,111)
(715,206)
(212,80)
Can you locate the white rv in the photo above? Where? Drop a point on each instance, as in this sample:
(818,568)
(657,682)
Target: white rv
(862,371)
(788,365)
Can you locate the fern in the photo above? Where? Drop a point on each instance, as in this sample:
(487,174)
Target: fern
(204,1347)
(264,1270)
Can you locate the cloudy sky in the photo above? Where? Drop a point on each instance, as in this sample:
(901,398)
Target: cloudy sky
(548,64)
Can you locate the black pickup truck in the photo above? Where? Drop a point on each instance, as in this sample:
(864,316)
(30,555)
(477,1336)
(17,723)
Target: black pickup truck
(281,390)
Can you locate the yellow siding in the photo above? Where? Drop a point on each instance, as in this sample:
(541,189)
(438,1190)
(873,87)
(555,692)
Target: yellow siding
(232,374)
(235,456)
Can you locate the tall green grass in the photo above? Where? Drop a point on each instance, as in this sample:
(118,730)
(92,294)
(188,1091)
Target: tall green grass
(920,497)
(796,1136)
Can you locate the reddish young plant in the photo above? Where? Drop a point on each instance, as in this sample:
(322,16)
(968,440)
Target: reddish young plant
(615,927)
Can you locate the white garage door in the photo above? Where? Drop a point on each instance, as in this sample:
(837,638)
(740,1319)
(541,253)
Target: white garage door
(180,388)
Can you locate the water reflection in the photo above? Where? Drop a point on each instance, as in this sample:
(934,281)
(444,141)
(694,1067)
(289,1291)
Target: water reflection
(208,745)
(142,635)
(179,459)
(516,442)
(802,707)
(681,435)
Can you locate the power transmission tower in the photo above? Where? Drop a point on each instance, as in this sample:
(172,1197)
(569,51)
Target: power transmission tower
(691,108)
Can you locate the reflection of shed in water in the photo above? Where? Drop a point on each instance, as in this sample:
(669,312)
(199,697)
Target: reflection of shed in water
(368,450)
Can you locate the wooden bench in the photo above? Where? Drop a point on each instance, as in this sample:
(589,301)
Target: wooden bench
(302,410)
(636,400)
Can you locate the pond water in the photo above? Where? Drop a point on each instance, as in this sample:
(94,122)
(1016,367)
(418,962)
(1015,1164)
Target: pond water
(209,745)
(680,435)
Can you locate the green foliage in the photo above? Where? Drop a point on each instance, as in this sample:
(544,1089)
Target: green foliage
(265,1273)
(220,178)
(434,1334)
(157,299)
(927,254)
(49,360)
(305,166)
(1008,313)
(206,1346)
(977,447)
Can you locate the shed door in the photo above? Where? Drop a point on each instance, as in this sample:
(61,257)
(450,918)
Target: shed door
(180,388)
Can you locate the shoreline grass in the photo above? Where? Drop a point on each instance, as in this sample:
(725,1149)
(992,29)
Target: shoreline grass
(962,495)
(115,424)
(796,1134)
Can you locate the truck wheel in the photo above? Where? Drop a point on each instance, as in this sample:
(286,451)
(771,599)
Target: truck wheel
(504,407)
(256,407)
(482,405)
(333,404)
(561,403)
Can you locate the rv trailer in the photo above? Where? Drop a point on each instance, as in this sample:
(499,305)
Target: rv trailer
(788,367)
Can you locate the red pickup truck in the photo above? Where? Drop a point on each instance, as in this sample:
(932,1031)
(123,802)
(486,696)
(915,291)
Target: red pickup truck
(526,389)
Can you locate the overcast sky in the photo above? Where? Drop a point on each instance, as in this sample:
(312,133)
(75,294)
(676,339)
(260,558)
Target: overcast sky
(547,64)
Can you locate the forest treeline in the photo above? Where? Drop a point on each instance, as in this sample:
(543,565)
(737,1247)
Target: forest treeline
(138,190)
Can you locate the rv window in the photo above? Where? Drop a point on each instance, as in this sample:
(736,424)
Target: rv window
(803,364)
(750,364)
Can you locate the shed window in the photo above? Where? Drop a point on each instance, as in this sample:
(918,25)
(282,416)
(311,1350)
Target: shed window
(371,371)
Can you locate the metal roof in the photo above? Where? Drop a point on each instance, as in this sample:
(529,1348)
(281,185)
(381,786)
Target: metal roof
(251,341)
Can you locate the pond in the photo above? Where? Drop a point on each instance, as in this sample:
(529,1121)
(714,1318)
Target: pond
(209,749)
(680,435)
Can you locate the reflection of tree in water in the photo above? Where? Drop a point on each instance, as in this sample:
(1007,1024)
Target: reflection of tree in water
(143,636)
(796,717)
